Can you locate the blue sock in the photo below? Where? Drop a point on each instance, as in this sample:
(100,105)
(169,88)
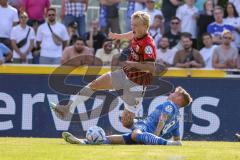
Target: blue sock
(149,138)
(106,141)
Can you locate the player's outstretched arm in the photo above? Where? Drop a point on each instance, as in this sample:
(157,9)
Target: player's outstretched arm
(116,36)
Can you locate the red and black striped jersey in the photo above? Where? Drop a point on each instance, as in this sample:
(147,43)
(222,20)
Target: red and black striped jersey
(142,50)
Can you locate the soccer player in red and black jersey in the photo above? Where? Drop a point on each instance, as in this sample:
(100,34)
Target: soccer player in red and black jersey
(134,76)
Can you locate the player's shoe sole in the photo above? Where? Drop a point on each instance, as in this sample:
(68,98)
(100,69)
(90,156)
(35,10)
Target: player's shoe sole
(68,137)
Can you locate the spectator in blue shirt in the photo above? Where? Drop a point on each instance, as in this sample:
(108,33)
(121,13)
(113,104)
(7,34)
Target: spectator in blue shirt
(5,54)
(216,28)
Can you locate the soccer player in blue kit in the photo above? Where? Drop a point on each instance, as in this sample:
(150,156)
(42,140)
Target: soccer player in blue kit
(162,121)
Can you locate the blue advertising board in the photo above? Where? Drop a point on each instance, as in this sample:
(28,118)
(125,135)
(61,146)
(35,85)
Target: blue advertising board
(24,110)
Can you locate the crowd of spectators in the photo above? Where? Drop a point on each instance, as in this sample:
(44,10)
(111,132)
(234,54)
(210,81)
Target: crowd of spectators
(188,34)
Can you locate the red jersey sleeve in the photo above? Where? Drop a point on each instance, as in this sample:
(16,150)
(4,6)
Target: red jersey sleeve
(149,52)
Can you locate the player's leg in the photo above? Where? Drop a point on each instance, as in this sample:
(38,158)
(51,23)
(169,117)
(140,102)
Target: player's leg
(112,139)
(150,139)
(68,137)
(132,97)
(104,82)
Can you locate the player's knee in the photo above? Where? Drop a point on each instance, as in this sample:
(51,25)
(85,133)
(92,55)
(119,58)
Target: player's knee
(135,133)
(126,122)
(127,118)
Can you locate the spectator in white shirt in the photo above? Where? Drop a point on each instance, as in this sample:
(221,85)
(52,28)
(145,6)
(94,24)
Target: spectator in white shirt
(187,13)
(53,38)
(107,52)
(164,54)
(150,4)
(232,18)
(157,29)
(22,39)
(207,50)
(8,18)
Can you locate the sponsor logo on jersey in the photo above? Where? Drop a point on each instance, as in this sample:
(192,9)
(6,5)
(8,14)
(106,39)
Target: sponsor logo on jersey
(169,109)
(148,50)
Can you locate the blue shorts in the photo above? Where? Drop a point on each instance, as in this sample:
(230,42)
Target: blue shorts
(138,125)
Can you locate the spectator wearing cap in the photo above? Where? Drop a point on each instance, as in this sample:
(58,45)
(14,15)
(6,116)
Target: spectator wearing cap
(36,10)
(5,54)
(109,16)
(73,33)
(187,13)
(8,19)
(133,6)
(107,52)
(52,36)
(217,27)
(225,55)
(78,54)
(22,38)
(75,10)
(94,37)
(150,9)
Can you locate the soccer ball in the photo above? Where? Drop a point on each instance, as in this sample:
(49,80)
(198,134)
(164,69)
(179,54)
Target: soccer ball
(95,135)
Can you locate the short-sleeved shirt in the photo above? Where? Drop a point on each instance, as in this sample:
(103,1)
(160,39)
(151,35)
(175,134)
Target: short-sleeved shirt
(44,35)
(8,16)
(188,22)
(171,125)
(231,54)
(142,49)
(216,29)
(18,33)
(35,10)
(104,57)
(3,51)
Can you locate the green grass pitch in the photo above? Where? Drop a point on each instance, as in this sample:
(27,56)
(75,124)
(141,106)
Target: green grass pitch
(57,149)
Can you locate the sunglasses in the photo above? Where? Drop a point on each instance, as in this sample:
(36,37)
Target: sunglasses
(23,17)
(229,38)
(150,2)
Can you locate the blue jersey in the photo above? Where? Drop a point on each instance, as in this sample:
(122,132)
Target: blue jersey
(171,125)
(217,29)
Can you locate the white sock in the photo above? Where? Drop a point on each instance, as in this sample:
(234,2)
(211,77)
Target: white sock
(82,96)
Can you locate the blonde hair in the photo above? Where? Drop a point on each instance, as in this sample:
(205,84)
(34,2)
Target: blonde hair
(142,16)
(23,13)
(187,99)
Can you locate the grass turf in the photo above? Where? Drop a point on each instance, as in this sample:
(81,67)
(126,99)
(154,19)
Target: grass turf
(57,149)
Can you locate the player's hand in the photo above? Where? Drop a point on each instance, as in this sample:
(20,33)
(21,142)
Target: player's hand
(128,65)
(113,36)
